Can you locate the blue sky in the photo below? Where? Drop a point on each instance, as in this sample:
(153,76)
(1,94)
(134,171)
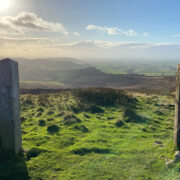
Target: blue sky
(92,28)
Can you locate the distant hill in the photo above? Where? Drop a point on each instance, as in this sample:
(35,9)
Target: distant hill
(71,73)
(56,70)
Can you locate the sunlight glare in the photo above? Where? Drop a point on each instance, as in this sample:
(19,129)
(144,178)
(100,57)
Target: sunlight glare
(4,4)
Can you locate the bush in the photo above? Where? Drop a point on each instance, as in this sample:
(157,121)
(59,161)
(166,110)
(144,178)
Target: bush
(52,129)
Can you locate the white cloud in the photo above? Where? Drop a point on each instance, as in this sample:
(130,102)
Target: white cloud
(146,35)
(43,47)
(93,27)
(76,33)
(112,30)
(26,21)
(176,35)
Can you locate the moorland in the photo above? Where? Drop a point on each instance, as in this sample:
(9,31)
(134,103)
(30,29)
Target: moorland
(63,73)
(95,133)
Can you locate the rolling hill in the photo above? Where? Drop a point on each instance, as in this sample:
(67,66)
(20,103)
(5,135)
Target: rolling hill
(71,73)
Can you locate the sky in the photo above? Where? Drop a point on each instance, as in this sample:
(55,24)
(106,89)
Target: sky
(90,29)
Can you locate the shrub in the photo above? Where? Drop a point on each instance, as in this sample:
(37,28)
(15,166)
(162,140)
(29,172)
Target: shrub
(52,129)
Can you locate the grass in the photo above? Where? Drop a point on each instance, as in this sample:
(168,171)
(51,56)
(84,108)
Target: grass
(148,68)
(60,143)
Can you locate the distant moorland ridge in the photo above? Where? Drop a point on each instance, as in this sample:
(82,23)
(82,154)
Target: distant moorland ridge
(66,73)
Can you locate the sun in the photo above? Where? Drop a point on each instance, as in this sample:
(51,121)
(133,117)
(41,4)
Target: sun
(4,4)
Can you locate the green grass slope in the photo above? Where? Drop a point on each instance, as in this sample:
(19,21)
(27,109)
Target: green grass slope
(96,134)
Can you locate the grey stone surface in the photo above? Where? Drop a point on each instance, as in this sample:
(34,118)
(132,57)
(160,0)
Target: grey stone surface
(10,123)
(177,156)
(177,111)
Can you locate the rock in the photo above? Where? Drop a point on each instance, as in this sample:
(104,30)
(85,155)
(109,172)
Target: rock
(10,123)
(177,156)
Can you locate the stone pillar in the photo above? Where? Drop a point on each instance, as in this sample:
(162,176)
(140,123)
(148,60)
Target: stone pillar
(177,111)
(10,123)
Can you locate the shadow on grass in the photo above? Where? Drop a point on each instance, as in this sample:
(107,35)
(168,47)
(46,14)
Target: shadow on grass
(130,115)
(84,151)
(13,167)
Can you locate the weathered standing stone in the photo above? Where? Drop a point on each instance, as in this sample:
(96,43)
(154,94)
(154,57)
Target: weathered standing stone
(177,111)
(10,123)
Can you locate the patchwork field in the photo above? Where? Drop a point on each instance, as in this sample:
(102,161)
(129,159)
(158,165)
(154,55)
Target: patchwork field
(94,134)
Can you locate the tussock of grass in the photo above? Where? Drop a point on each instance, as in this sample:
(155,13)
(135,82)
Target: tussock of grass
(84,151)
(42,123)
(119,123)
(34,152)
(81,128)
(52,129)
(70,119)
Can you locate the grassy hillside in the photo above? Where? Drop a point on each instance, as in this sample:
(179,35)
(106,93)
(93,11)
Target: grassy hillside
(71,73)
(145,67)
(95,134)
(55,69)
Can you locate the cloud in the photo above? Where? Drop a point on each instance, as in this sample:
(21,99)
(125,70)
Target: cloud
(94,49)
(176,35)
(76,33)
(112,30)
(146,35)
(26,21)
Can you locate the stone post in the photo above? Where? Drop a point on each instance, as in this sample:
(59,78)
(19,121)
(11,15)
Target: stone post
(177,111)
(10,123)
